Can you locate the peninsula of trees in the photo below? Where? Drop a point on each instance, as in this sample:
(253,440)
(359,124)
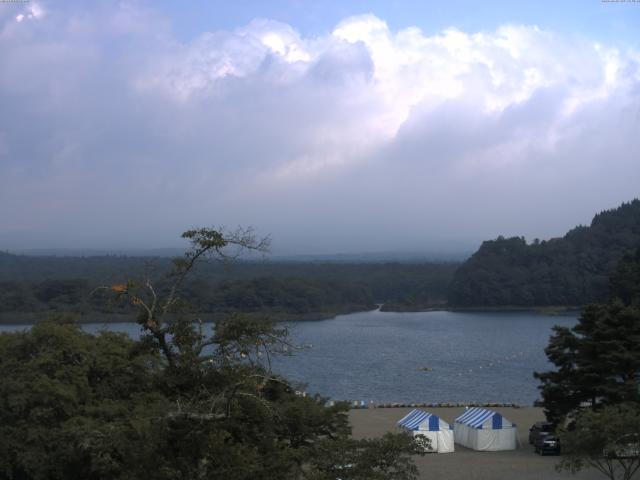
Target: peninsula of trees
(33,286)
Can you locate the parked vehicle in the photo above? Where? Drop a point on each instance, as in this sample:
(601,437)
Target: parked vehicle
(539,429)
(549,444)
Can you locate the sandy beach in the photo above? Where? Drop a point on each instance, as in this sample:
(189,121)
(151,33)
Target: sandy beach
(466,464)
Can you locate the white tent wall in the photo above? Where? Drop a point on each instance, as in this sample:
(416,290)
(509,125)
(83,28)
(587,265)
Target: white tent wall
(464,435)
(484,430)
(431,426)
(495,440)
(487,440)
(440,442)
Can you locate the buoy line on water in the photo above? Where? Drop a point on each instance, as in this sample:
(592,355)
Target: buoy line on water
(494,363)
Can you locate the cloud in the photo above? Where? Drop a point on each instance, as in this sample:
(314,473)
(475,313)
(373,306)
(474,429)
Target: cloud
(114,132)
(32,11)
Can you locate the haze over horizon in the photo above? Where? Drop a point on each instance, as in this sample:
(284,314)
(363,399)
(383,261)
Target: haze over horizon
(369,127)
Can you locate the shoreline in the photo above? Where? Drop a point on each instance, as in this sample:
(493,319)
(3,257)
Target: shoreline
(542,309)
(28,318)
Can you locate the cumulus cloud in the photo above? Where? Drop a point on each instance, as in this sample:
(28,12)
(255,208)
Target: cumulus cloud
(364,138)
(32,11)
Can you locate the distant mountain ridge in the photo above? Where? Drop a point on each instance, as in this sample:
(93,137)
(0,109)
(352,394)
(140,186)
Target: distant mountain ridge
(572,270)
(456,254)
(99,252)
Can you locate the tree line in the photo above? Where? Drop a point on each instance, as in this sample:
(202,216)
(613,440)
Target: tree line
(569,271)
(282,290)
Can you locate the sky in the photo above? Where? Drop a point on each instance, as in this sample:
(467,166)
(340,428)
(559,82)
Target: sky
(333,127)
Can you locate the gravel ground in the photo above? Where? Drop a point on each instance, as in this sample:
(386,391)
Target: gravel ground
(466,464)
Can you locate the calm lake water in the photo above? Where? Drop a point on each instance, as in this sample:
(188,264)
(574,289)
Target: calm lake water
(383,356)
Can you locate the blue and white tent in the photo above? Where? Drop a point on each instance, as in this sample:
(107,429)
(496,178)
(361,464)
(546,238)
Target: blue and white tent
(482,429)
(431,426)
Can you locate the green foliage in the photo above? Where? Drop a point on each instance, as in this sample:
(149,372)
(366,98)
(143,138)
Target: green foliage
(607,439)
(625,283)
(71,403)
(572,270)
(597,361)
(17,297)
(282,290)
(273,295)
(386,458)
(68,292)
(77,406)
(594,390)
(178,404)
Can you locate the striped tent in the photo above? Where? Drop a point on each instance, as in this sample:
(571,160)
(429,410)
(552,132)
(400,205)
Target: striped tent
(439,432)
(482,429)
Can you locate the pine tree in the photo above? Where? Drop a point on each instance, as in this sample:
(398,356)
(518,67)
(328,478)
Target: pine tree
(598,360)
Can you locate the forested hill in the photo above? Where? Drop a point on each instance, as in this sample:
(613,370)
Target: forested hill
(283,290)
(572,270)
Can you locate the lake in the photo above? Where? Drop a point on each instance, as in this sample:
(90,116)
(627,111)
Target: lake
(425,357)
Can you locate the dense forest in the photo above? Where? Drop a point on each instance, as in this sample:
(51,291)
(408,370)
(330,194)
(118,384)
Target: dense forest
(282,290)
(177,403)
(570,271)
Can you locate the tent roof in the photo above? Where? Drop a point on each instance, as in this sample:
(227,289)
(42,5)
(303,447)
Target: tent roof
(418,417)
(475,418)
